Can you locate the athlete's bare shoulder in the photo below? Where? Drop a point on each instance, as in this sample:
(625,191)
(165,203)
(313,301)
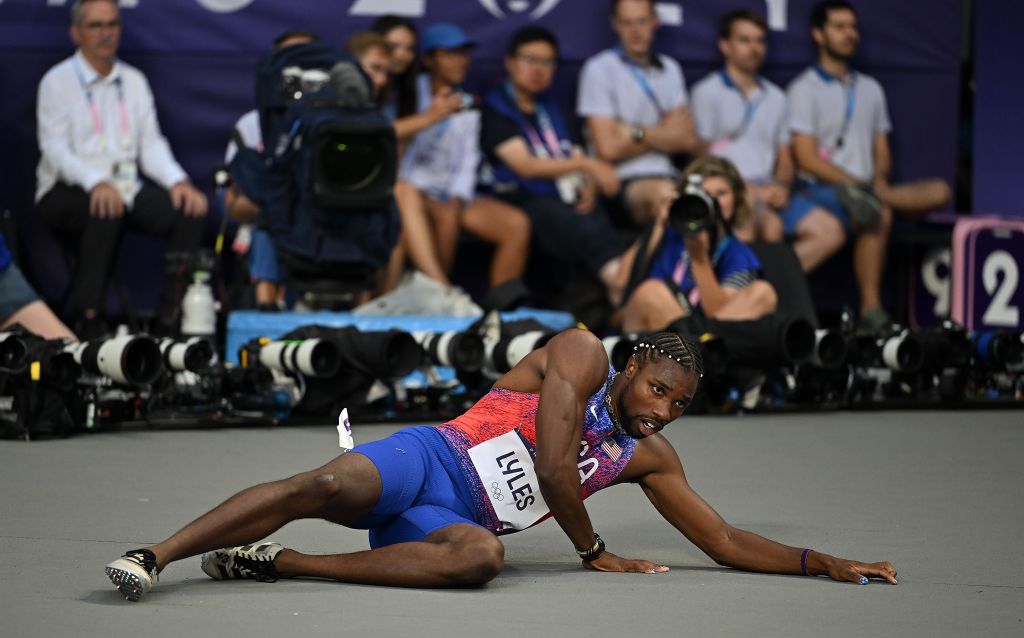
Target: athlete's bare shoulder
(573,349)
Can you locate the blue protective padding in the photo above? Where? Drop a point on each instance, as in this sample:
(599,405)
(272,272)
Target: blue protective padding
(244,326)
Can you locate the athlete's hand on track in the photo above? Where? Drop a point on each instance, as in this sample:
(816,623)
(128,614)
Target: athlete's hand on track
(609,562)
(856,572)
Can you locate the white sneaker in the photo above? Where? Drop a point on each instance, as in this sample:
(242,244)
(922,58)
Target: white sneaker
(248,561)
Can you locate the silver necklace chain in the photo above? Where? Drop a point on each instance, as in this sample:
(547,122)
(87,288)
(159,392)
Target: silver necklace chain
(608,403)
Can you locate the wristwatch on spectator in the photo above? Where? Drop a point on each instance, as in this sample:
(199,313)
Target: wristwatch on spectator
(637,133)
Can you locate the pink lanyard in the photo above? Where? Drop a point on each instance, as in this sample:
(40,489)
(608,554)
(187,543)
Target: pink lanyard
(97,121)
(547,130)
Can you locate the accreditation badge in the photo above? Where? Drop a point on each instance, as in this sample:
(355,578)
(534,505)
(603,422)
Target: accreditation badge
(125,175)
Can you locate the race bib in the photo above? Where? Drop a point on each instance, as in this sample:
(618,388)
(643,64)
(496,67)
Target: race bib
(505,468)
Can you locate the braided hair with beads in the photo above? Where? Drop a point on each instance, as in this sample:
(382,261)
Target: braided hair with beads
(671,345)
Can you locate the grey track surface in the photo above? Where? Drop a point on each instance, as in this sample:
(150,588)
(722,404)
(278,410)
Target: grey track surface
(940,494)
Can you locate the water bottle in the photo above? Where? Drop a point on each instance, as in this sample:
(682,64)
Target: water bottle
(198,307)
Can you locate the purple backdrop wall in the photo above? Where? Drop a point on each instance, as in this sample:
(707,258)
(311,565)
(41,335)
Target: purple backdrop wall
(199,54)
(998,125)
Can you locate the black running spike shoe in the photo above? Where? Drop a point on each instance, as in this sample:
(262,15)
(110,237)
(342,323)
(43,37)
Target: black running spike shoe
(133,574)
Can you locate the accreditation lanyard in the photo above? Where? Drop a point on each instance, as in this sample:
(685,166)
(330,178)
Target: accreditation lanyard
(850,87)
(750,105)
(641,79)
(546,142)
(97,121)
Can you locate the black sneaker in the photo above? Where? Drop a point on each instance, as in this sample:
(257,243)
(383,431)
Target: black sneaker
(248,561)
(133,573)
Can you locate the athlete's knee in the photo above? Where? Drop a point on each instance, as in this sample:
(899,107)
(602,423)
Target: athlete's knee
(476,561)
(309,491)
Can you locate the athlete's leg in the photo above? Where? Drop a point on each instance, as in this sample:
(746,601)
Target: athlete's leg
(456,555)
(344,491)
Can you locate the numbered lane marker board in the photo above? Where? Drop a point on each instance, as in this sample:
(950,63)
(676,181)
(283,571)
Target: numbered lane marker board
(988,259)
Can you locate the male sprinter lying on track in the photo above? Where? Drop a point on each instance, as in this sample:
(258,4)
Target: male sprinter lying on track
(558,427)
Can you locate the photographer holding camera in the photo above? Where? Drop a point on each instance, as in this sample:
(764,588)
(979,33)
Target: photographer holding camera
(698,265)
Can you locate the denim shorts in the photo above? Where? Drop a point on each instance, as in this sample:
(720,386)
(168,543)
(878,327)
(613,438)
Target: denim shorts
(807,197)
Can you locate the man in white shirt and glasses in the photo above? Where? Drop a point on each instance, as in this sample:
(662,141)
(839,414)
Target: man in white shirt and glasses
(98,135)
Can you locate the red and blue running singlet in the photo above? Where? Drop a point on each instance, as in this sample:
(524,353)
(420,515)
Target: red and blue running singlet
(495,445)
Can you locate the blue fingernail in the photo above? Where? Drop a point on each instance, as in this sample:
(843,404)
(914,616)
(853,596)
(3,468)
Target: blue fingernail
(863,580)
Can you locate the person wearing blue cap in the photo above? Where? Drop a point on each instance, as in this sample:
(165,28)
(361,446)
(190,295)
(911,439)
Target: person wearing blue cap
(437,173)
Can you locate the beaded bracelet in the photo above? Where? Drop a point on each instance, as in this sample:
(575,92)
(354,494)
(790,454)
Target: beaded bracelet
(803,561)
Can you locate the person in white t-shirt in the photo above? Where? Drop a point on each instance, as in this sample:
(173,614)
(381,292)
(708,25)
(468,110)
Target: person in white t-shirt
(438,169)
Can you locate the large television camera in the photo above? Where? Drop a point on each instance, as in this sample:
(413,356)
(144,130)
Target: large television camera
(324,180)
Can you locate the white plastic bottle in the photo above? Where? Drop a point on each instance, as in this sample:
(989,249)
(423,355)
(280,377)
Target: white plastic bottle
(198,308)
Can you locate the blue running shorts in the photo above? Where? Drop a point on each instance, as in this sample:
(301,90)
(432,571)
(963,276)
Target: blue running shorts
(422,489)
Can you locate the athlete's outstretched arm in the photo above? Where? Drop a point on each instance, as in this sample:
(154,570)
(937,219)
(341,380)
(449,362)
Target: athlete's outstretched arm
(575,367)
(665,484)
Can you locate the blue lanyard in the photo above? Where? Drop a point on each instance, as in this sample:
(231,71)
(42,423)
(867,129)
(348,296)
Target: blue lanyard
(548,136)
(641,79)
(749,105)
(851,101)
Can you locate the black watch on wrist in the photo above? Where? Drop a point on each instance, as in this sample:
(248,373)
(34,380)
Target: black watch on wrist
(637,133)
(592,552)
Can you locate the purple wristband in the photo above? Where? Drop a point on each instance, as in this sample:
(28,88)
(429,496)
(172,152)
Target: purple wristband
(803,561)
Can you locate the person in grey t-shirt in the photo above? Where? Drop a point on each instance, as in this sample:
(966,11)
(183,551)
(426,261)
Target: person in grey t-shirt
(635,105)
(839,122)
(743,117)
